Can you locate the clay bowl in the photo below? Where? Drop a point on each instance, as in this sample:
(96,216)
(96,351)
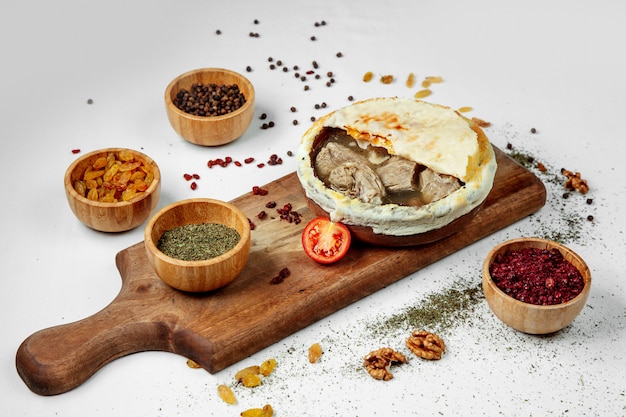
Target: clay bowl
(367,235)
(111,217)
(205,275)
(210,130)
(530,318)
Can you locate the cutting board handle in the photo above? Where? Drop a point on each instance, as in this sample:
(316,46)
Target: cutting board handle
(58,359)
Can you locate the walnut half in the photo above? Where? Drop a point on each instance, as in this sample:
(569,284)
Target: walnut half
(575,182)
(378,362)
(426,345)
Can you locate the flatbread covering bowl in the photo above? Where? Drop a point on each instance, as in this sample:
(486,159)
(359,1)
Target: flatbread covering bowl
(396,171)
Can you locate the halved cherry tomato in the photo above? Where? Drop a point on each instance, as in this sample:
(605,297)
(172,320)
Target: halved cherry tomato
(325,241)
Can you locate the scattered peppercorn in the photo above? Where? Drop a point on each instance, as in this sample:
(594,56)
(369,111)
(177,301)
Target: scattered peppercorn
(89,101)
(533,130)
(218,32)
(313,38)
(293,109)
(339,54)
(589,200)
(263,116)
(249,68)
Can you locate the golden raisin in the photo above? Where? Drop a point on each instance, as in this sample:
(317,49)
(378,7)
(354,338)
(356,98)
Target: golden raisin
(267,367)
(423,93)
(119,172)
(251,380)
(254,369)
(410,81)
(434,79)
(226,394)
(193,364)
(386,79)
(266,411)
(315,352)
(367,77)
(465,109)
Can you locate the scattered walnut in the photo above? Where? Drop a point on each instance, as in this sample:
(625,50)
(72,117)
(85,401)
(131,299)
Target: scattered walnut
(426,345)
(378,362)
(575,182)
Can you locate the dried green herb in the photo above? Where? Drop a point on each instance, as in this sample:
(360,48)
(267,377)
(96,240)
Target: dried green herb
(438,312)
(196,242)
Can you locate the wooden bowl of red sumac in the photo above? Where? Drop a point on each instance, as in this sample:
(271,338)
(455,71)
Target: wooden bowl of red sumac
(535,285)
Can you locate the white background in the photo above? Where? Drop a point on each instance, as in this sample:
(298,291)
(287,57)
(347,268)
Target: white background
(556,66)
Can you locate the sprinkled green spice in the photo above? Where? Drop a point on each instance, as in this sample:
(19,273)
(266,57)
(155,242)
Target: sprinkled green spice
(196,242)
(438,312)
(565,220)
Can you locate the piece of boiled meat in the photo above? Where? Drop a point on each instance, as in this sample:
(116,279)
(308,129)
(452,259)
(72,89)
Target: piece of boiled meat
(434,186)
(357,181)
(398,174)
(332,155)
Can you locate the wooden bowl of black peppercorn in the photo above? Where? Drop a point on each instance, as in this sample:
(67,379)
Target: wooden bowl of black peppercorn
(210,106)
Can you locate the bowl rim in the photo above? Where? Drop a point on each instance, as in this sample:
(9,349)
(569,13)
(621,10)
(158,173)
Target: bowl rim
(69,187)
(172,107)
(586,273)
(152,247)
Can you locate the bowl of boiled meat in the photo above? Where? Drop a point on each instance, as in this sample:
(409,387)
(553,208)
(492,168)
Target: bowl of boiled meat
(396,171)
(535,285)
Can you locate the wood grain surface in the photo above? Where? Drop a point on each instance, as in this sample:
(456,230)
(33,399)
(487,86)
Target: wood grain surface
(220,328)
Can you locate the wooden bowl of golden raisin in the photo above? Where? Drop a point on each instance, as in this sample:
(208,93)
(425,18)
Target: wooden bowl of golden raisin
(113,189)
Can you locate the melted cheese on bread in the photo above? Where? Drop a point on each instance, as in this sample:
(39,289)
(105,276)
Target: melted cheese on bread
(432,135)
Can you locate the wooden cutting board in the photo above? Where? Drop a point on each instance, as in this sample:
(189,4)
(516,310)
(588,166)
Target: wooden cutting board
(220,328)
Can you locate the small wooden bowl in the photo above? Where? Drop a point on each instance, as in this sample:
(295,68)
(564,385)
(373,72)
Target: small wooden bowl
(111,217)
(210,130)
(198,276)
(531,318)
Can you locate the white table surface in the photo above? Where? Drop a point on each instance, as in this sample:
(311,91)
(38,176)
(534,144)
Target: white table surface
(556,66)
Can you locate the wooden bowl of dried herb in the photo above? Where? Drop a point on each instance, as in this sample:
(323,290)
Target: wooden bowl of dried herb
(113,189)
(198,245)
(210,106)
(535,285)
